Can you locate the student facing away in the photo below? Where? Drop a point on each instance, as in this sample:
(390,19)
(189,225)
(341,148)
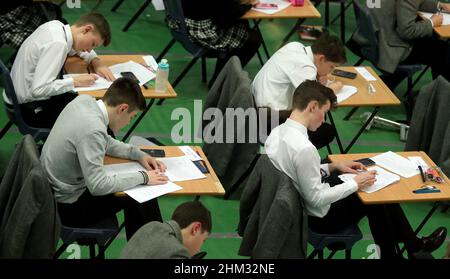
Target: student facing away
(36,73)
(332,205)
(179,238)
(73,157)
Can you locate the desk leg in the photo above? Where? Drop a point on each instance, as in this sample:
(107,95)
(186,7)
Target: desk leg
(117,5)
(263,43)
(136,15)
(374,112)
(147,108)
(288,36)
(350,113)
(338,139)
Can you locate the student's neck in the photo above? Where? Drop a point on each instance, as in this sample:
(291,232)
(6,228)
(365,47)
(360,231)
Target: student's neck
(300,117)
(111,112)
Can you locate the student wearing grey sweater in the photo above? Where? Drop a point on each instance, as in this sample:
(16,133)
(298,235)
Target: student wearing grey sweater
(179,238)
(73,157)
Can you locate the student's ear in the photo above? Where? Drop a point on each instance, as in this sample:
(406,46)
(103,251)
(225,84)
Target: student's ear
(196,228)
(322,58)
(122,108)
(88,28)
(313,106)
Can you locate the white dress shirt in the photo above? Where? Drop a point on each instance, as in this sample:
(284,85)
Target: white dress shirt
(39,61)
(275,83)
(291,152)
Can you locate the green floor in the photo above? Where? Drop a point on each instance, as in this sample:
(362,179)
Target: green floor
(149,35)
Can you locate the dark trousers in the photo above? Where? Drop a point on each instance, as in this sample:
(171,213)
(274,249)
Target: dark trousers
(387,222)
(426,51)
(43,114)
(89,210)
(245,53)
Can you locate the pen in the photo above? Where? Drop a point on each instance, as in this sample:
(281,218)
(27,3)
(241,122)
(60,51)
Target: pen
(422,174)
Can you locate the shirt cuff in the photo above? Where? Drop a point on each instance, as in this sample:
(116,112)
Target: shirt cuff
(352,184)
(325,168)
(69,84)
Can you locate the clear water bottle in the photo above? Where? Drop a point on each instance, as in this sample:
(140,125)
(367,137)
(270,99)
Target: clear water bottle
(162,76)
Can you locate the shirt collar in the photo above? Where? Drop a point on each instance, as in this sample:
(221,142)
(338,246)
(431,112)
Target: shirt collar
(309,53)
(298,126)
(102,107)
(69,37)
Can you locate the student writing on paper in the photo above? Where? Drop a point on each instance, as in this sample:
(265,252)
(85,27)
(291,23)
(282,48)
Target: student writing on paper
(41,91)
(275,83)
(73,157)
(331,204)
(217,25)
(179,238)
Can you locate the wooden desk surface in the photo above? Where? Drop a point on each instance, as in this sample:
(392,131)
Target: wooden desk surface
(401,191)
(306,11)
(76,65)
(382,97)
(208,186)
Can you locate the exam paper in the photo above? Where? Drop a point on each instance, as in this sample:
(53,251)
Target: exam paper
(281,6)
(100,83)
(190,153)
(148,192)
(181,169)
(396,164)
(345,93)
(384,178)
(142,74)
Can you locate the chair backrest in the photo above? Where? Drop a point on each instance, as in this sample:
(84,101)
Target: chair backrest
(366,29)
(176,22)
(14,112)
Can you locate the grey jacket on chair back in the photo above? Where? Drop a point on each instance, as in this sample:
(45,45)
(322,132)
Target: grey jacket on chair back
(430,123)
(229,156)
(29,224)
(272,221)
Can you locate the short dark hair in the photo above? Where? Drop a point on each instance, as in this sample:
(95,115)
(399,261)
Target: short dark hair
(193,211)
(331,47)
(311,90)
(100,23)
(125,91)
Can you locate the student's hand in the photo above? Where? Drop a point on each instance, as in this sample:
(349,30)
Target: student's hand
(365,179)
(347,167)
(149,163)
(445,6)
(105,72)
(336,86)
(437,19)
(84,80)
(322,79)
(156,177)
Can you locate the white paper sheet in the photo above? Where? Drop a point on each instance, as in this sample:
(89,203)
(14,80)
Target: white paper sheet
(281,6)
(190,153)
(123,168)
(100,83)
(147,192)
(365,74)
(396,164)
(446,20)
(418,161)
(345,93)
(142,74)
(384,178)
(151,62)
(181,169)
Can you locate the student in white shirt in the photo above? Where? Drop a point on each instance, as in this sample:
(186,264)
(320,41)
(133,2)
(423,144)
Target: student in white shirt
(41,92)
(275,83)
(336,206)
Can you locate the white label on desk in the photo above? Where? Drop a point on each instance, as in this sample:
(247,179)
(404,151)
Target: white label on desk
(366,74)
(190,153)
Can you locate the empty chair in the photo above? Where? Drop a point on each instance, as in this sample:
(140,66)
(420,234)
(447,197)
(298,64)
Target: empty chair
(14,113)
